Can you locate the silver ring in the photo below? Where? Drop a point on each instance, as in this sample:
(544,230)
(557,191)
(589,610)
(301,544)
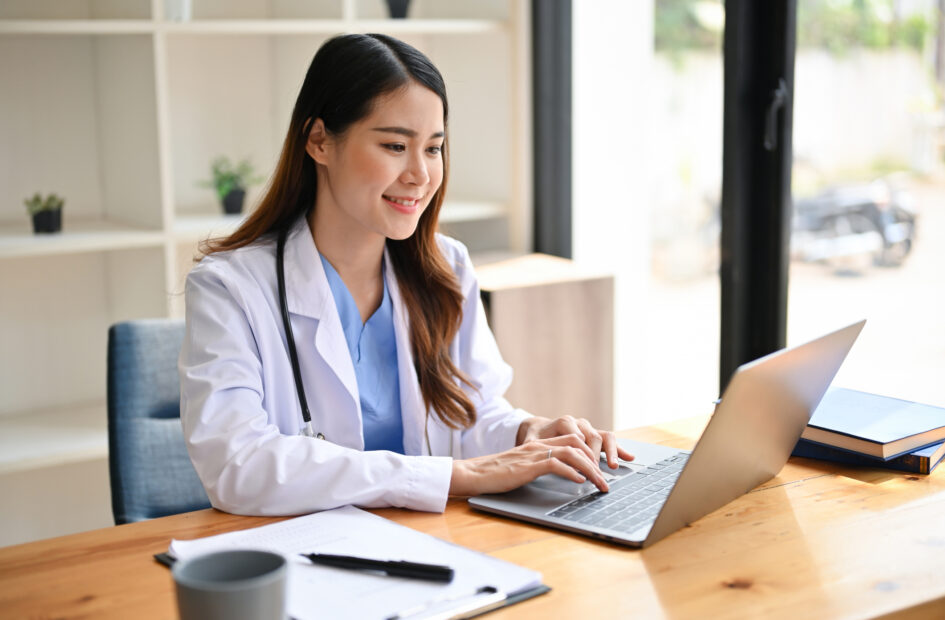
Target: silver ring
(549,454)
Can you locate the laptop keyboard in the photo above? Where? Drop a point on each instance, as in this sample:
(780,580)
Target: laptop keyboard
(633,502)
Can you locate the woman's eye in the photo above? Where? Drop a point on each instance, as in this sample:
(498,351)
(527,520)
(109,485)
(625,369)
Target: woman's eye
(435,150)
(395,147)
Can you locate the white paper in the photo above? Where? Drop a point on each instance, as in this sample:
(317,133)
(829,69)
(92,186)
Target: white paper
(327,592)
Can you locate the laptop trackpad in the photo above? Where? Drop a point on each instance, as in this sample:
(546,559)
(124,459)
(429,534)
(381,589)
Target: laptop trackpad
(553,482)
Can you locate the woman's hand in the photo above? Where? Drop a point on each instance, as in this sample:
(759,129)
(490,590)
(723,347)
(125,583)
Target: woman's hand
(536,428)
(568,456)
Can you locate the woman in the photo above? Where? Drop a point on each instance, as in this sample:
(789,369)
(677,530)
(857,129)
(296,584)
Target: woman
(396,364)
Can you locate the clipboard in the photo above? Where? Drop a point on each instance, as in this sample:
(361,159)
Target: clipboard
(481,609)
(510,600)
(479,586)
(475,606)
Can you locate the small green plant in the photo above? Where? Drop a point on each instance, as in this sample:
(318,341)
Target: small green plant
(228,176)
(37,203)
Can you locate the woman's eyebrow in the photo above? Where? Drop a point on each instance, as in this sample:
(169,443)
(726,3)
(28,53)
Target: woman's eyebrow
(403,131)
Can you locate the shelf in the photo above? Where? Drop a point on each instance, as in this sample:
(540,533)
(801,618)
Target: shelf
(517,272)
(76,26)
(454,211)
(35,439)
(489,257)
(199,227)
(120,111)
(332,26)
(251,26)
(77,236)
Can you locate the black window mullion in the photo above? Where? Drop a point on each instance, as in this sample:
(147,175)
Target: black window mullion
(551,101)
(756,179)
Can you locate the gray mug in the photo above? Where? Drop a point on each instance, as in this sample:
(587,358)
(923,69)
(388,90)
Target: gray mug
(235,585)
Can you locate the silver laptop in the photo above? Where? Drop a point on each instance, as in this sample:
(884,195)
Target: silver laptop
(760,417)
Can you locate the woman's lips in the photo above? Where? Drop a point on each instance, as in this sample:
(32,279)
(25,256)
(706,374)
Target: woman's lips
(403,204)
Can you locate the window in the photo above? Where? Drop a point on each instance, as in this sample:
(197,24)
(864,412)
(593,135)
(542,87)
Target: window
(647,169)
(868,182)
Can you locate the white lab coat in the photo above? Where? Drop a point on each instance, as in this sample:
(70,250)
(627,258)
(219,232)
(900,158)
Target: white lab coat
(240,411)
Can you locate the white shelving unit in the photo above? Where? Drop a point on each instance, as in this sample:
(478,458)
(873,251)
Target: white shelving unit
(120,110)
(72,436)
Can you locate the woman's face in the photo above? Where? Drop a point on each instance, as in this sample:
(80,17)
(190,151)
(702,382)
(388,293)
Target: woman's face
(377,178)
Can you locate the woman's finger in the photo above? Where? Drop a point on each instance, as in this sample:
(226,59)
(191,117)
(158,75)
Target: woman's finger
(610,449)
(572,440)
(613,450)
(591,436)
(578,459)
(567,425)
(560,468)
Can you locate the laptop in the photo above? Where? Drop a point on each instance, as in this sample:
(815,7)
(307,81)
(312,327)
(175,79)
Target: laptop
(749,438)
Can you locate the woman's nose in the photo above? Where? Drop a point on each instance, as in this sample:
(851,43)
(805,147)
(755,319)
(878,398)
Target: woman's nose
(416,172)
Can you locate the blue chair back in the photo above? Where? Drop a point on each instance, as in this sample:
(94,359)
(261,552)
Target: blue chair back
(150,470)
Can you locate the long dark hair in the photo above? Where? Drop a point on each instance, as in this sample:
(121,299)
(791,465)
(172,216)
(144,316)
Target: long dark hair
(347,75)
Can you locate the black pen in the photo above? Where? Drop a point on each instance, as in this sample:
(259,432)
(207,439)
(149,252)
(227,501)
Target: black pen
(394,568)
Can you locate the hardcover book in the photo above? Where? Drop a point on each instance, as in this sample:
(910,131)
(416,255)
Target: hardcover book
(874,425)
(921,461)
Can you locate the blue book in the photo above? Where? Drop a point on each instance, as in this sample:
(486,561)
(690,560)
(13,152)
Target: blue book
(921,461)
(877,426)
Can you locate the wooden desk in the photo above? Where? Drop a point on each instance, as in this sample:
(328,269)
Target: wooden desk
(818,541)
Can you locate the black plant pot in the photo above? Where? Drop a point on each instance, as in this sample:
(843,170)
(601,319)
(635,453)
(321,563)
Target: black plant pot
(398,8)
(48,221)
(233,202)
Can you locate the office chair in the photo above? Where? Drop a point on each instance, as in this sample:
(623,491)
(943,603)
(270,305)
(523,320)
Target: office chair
(150,470)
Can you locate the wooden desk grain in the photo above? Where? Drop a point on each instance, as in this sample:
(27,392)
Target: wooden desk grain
(818,541)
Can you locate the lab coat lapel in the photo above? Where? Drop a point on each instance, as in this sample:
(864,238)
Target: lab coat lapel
(412,410)
(308,294)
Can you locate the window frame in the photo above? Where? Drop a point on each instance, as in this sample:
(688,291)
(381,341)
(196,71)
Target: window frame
(759,49)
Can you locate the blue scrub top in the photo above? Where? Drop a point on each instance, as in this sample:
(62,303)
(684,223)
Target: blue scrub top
(373,351)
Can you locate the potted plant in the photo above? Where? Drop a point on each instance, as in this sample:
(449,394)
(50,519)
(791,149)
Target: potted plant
(230,182)
(398,8)
(46,212)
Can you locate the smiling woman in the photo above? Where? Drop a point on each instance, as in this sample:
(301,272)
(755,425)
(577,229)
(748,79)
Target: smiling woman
(376,180)
(371,342)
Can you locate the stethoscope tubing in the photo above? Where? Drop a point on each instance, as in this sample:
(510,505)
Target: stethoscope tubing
(289,336)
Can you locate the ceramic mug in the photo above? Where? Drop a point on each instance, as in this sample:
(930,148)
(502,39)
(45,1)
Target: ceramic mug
(235,585)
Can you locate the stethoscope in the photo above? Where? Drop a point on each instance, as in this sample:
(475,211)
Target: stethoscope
(307,430)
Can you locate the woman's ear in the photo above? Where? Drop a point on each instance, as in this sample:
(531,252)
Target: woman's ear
(317,144)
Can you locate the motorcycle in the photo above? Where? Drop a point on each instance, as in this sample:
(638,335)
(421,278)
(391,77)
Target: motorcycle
(876,218)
